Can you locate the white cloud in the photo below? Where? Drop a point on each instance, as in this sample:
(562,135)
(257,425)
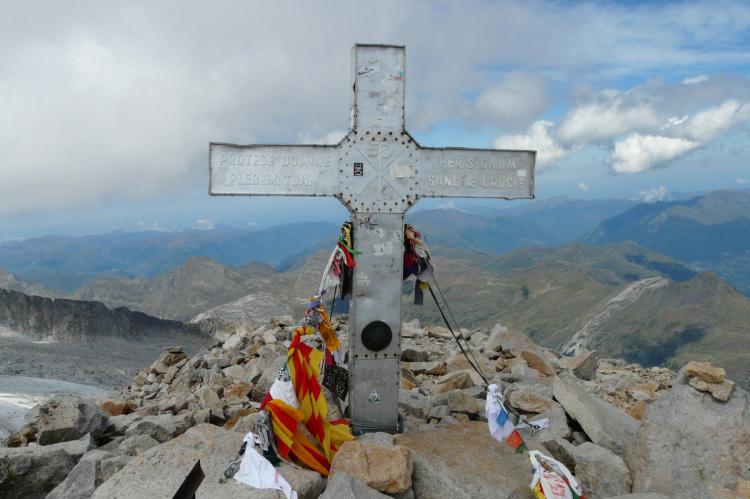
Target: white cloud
(674,121)
(705,125)
(638,153)
(639,127)
(583,186)
(741,181)
(205,224)
(538,138)
(514,100)
(695,80)
(655,194)
(608,117)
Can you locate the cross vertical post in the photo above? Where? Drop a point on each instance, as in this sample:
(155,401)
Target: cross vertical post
(378,171)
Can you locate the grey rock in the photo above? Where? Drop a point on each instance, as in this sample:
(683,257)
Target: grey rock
(66,417)
(159,471)
(562,450)
(235,371)
(32,472)
(558,424)
(437,412)
(83,479)
(132,446)
(415,354)
(463,461)
(113,445)
(269,375)
(579,437)
(377,437)
(118,424)
(587,369)
(344,486)
(220,361)
(459,401)
(413,404)
(447,420)
(531,402)
(112,465)
(600,472)
(603,423)
(162,427)
(246,424)
(690,444)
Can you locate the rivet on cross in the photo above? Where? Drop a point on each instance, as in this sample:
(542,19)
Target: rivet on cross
(377,171)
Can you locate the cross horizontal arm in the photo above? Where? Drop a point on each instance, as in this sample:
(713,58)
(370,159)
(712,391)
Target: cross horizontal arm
(273,170)
(476,173)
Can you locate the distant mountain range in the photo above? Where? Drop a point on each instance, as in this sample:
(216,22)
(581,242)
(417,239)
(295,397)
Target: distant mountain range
(547,222)
(645,284)
(67,263)
(710,232)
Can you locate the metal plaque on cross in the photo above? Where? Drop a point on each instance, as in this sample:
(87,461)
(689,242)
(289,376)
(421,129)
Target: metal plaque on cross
(378,171)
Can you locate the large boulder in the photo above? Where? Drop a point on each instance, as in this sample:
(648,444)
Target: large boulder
(558,424)
(32,472)
(384,467)
(530,401)
(603,423)
(132,446)
(692,445)
(66,417)
(601,472)
(464,461)
(162,427)
(345,486)
(159,471)
(84,478)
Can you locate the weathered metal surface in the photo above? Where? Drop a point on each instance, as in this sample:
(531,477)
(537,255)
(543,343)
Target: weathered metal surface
(376,296)
(378,79)
(277,170)
(378,171)
(476,173)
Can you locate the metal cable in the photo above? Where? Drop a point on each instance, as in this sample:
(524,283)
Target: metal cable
(478,367)
(520,418)
(458,342)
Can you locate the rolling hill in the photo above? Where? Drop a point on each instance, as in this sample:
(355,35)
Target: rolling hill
(710,232)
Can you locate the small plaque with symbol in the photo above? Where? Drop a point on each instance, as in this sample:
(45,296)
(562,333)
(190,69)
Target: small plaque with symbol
(359,169)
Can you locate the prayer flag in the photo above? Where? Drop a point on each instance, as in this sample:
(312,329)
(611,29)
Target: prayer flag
(501,427)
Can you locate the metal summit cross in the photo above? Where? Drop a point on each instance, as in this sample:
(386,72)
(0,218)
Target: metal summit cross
(378,171)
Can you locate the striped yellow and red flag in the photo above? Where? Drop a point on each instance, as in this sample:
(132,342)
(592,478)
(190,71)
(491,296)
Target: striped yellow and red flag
(303,363)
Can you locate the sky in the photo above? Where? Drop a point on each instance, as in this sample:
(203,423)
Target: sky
(107,109)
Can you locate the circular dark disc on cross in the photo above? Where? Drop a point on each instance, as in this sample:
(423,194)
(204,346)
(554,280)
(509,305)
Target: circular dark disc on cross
(376,336)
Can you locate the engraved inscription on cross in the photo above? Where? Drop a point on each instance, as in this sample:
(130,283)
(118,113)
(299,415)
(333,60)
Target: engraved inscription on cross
(378,171)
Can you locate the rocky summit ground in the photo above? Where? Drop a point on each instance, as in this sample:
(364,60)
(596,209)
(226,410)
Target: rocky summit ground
(624,430)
